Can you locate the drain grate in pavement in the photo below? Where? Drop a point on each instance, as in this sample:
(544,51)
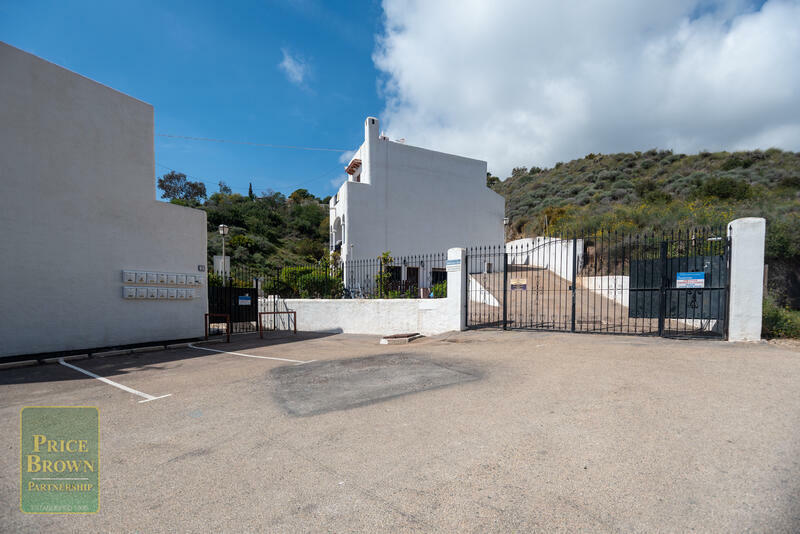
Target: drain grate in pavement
(332,385)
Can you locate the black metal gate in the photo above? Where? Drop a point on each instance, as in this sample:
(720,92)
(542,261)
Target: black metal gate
(671,285)
(237,295)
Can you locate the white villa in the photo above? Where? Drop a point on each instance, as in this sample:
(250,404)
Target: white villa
(410,200)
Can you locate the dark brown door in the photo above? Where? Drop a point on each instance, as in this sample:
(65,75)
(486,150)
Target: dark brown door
(412,276)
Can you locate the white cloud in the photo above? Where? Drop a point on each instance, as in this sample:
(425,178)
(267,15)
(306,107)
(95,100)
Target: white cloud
(295,67)
(337,182)
(523,82)
(347,156)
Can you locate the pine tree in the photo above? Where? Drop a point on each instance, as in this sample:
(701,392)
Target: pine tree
(250,192)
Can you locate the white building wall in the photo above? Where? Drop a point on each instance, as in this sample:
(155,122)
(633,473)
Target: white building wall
(78,207)
(412,201)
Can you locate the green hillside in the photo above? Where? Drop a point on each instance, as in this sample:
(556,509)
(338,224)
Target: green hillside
(629,193)
(264,231)
(268,230)
(659,190)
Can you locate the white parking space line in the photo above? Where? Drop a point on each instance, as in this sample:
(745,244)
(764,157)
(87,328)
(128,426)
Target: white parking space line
(248,355)
(147,398)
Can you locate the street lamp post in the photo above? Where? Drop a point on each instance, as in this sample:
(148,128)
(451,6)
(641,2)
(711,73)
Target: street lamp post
(223,231)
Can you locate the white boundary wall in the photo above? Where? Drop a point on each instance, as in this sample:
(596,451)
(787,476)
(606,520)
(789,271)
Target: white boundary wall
(747,278)
(435,316)
(388,316)
(371,316)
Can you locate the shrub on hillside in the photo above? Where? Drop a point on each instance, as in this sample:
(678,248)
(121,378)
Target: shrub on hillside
(658,196)
(242,241)
(608,176)
(518,172)
(618,194)
(783,237)
(792,181)
(583,198)
(624,184)
(779,322)
(725,187)
(646,164)
(735,162)
(645,186)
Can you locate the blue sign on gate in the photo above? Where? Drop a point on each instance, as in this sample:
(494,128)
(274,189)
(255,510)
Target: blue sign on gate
(690,280)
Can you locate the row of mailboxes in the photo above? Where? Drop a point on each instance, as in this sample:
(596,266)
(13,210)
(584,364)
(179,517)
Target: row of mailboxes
(171,279)
(157,293)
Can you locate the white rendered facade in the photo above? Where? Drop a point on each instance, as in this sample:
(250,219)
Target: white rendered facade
(78,210)
(410,200)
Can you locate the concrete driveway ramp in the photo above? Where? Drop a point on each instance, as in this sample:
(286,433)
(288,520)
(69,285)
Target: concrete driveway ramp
(332,385)
(400,339)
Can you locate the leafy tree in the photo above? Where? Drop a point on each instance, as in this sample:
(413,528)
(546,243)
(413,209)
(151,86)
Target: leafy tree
(310,249)
(224,188)
(384,277)
(300,195)
(175,186)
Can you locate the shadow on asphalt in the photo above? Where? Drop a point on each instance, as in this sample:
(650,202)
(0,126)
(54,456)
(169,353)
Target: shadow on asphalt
(129,363)
(326,386)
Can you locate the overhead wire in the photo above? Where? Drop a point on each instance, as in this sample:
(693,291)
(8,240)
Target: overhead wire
(210,183)
(251,143)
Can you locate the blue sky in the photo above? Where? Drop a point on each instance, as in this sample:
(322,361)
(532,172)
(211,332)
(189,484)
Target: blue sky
(212,69)
(512,82)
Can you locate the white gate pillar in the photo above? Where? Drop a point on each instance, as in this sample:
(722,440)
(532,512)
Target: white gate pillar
(746,278)
(456,289)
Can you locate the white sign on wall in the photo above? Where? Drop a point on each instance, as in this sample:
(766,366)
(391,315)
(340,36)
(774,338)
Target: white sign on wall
(454,265)
(218,264)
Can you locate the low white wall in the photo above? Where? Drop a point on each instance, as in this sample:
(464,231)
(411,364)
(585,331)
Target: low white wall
(551,253)
(383,316)
(371,316)
(480,294)
(615,288)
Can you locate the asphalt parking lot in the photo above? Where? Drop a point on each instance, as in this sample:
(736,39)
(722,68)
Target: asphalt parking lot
(477,431)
